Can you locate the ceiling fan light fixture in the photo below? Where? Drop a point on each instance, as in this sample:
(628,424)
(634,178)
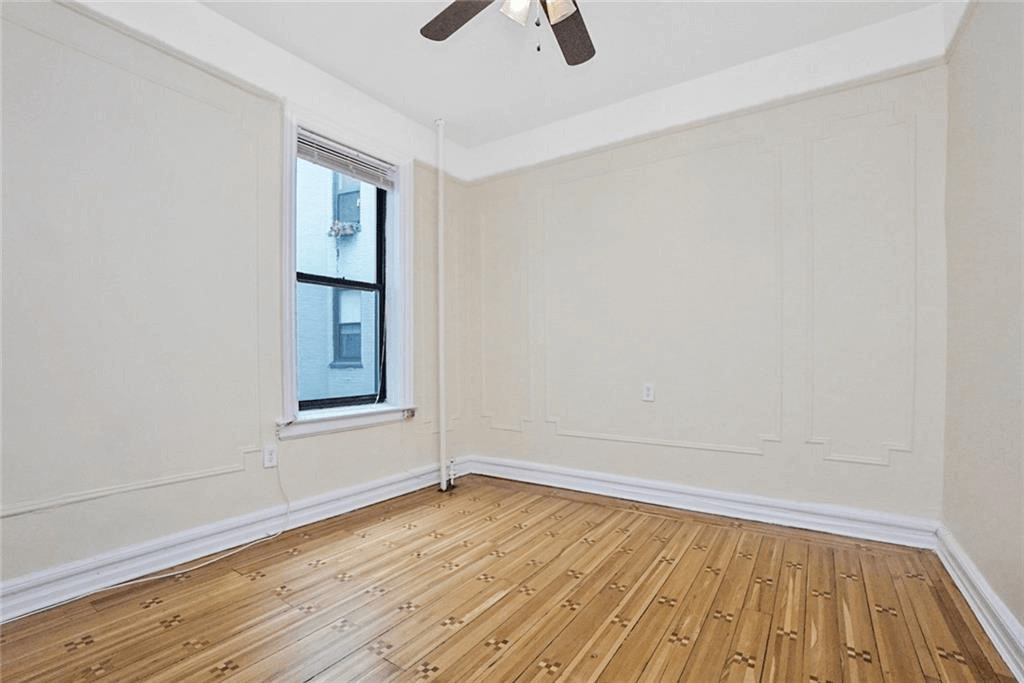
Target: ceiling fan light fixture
(517,10)
(559,9)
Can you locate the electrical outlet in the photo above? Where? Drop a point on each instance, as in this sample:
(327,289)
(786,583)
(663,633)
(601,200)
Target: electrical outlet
(648,392)
(270,455)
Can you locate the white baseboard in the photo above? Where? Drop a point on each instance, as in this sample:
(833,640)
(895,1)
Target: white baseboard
(834,519)
(1000,624)
(52,586)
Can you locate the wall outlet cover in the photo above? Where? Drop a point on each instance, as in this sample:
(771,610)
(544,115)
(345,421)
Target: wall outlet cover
(270,456)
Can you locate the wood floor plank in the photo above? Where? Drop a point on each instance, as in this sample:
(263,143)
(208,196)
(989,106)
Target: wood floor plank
(530,636)
(363,554)
(746,658)
(923,654)
(962,620)
(155,601)
(364,570)
(154,631)
(673,651)
(821,627)
(295,545)
(415,638)
(785,646)
(181,581)
(417,589)
(223,655)
(711,654)
(856,633)
(892,634)
(418,637)
(309,656)
(364,616)
(761,593)
(499,581)
(946,651)
(590,564)
(474,645)
(599,649)
(134,654)
(363,666)
(563,651)
(636,649)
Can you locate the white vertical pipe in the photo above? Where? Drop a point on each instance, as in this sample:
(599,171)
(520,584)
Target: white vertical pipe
(442,401)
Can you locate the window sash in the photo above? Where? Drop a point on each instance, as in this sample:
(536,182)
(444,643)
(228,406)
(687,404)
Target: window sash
(375,358)
(336,157)
(340,282)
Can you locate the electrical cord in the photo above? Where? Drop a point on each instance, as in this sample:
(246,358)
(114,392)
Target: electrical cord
(180,572)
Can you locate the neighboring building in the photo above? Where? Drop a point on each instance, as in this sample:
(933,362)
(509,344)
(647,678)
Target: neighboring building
(336,236)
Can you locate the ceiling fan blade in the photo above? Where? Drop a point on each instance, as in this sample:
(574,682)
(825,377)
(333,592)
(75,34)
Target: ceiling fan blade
(573,37)
(452,18)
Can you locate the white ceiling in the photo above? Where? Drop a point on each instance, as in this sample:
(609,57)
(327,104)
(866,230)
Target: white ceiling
(489,82)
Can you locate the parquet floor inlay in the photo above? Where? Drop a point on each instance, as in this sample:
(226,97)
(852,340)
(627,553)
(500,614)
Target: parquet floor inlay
(501,581)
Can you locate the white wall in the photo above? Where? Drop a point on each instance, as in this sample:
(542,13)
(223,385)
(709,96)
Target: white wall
(779,276)
(984,493)
(142,300)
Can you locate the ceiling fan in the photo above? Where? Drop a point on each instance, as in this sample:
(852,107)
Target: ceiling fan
(563,15)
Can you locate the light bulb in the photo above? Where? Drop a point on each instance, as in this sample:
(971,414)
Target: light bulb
(517,10)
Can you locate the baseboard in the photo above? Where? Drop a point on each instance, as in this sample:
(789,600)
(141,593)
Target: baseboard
(49,587)
(834,519)
(1006,632)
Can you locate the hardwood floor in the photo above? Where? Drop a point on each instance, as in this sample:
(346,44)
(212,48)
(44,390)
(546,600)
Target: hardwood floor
(500,581)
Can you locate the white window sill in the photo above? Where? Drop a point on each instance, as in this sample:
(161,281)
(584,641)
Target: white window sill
(313,422)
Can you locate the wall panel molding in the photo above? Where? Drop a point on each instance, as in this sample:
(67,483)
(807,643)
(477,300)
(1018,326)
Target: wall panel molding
(89,45)
(772,432)
(646,441)
(64,500)
(834,129)
(493,421)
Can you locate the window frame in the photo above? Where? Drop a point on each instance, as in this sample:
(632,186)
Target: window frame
(395,318)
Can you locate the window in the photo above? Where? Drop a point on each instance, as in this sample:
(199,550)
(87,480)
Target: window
(347,255)
(341,206)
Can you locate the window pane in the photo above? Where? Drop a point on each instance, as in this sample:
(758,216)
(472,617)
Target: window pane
(349,347)
(335,224)
(337,342)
